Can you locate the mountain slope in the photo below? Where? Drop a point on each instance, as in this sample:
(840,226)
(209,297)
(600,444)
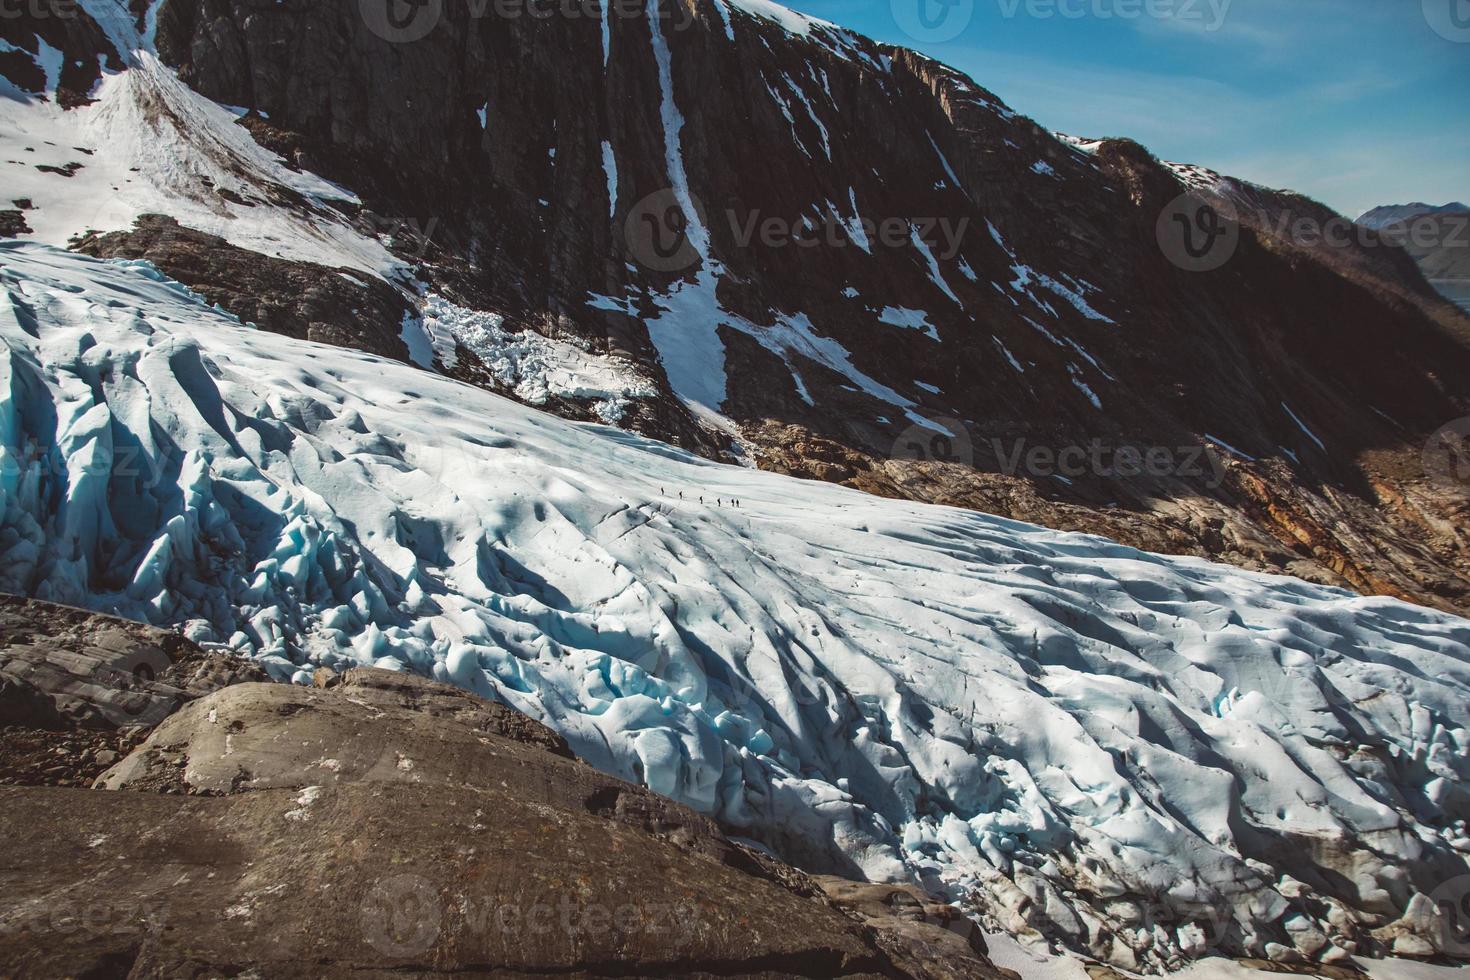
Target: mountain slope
(1141,757)
(786,244)
(1391,214)
(1437,237)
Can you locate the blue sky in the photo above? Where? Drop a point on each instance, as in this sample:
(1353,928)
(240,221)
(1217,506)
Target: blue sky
(1353,102)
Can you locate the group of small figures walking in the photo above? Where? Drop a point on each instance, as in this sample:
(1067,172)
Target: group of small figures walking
(719,501)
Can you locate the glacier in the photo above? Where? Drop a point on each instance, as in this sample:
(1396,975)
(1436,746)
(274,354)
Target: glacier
(1136,756)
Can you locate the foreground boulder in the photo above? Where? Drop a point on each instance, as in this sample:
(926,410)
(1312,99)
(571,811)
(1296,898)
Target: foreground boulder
(384,824)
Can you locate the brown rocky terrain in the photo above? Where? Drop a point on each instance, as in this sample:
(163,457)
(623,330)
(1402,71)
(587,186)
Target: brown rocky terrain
(379,824)
(78,690)
(292,298)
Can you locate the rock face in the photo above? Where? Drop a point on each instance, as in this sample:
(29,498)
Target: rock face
(853,262)
(79,690)
(386,825)
(292,298)
(63,669)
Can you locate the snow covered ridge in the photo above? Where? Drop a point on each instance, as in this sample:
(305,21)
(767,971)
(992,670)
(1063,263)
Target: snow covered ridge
(1195,177)
(1136,756)
(152,144)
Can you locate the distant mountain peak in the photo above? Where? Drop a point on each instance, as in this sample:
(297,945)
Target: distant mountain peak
(1387,214)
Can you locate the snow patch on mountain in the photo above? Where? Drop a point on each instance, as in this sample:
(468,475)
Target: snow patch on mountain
(837,41)
(794,334)
(1075,373)
(1303,426)
(944,162)
(610,171)
(935,276)
(898,316)
(151,144)
(1006,353)
(811,114)
(422,348)
(856,233)
(1026,277)
(534,367)
(790,20)
(1088,146)
(723,9)
(687,336)
(784,105)
(1195,177)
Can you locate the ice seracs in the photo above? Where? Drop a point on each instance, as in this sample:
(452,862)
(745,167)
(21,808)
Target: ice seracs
(535,368)
(1115,751)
